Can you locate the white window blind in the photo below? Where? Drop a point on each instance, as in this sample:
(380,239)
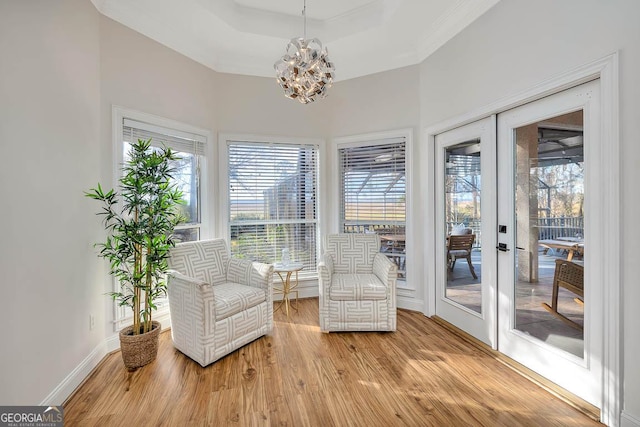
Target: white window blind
(190,149)
(373,185)
(183,142)
(373,193)
(272,201)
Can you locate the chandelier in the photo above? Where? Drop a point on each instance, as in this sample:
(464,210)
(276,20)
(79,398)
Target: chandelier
(305,71)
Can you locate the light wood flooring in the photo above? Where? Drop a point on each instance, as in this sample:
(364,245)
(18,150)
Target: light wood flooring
(421,375)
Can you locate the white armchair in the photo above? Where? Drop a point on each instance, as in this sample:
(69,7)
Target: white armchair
(217,303)
(357,285)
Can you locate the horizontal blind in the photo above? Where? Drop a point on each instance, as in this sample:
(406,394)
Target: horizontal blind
(186,175)
(180,141)
(272,201)
(373,185)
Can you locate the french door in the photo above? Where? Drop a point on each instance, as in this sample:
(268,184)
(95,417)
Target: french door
(466,228)
(549,185)
(526,184)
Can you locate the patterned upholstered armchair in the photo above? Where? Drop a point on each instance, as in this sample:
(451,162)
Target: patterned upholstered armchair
(217,303)
(357,285)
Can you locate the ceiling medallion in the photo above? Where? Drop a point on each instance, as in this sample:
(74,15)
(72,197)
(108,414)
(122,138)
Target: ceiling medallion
(305,71)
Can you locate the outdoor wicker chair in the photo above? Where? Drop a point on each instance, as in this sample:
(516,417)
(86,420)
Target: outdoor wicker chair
(568,275)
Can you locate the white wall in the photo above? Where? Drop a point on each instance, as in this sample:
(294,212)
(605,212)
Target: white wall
(141,74)
(518,44)
(378,102)
(49,134)
(257,105)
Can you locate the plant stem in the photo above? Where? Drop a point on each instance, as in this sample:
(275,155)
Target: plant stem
(136,288)
(148,295)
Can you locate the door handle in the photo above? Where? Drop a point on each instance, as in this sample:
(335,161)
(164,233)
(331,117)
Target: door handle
(502,247)
(518,247)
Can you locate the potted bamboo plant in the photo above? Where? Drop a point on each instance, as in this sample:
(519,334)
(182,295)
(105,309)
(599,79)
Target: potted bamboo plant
(139,221)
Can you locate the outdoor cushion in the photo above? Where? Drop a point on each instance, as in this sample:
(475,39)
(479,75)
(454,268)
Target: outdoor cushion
(461,229)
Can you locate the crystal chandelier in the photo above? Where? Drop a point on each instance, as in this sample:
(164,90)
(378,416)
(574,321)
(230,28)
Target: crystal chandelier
(305,71)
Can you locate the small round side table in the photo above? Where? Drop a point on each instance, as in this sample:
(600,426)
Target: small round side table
(285,272)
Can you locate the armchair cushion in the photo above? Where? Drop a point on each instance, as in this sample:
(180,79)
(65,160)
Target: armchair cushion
(232,298)
(350,287)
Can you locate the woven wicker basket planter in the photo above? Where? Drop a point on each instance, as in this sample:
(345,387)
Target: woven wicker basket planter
(139,350)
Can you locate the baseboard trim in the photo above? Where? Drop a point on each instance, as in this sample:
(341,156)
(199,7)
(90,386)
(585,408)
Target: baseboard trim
(74,380)
(112,343)
(628,420)
(304,291)
(409,303)
(66,388)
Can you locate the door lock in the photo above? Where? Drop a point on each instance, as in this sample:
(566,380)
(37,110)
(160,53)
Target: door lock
(502,247)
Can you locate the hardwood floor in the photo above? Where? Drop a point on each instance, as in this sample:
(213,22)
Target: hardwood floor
(421,375)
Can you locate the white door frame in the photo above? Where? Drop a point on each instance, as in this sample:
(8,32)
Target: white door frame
(606,69)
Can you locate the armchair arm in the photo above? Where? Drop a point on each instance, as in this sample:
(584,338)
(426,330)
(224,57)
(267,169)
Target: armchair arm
(245,272)
(385,269)
(192,308)
(325,269)
(179,280)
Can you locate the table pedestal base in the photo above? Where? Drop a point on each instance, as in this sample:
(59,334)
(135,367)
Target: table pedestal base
(286,289)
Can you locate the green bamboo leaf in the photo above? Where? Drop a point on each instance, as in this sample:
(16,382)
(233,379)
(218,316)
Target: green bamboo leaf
(140,230)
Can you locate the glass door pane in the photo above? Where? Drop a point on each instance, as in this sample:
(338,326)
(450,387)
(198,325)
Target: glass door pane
(549,212)
(462,194)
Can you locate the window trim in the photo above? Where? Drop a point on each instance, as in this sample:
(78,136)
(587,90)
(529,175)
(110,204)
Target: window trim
(224,139)
(121,315)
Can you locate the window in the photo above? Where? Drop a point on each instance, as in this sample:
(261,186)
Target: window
(272,192)
(190,143)
(191,149)
(373,193)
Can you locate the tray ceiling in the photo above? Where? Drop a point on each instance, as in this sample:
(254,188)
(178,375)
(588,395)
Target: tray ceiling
(248,36)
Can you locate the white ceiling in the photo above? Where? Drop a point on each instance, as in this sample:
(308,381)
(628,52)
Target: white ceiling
(248,36)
